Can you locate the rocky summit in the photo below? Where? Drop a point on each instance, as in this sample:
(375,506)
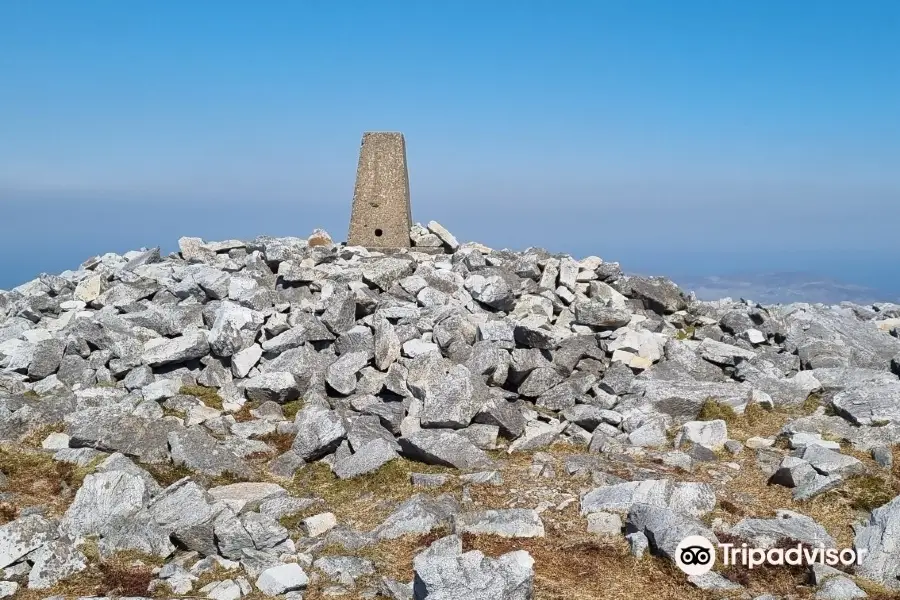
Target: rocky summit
(298,418)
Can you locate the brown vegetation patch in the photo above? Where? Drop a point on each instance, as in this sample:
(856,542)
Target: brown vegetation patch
(281,442)
(780,580)
(586,568)
(37,479)
(364,501)
(124,574)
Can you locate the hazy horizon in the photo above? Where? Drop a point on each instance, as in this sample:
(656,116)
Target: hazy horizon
(691,140)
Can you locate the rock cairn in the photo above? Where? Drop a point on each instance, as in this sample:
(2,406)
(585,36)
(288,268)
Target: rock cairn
(189,405)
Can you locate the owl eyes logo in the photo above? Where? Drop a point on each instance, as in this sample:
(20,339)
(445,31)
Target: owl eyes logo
(695,555)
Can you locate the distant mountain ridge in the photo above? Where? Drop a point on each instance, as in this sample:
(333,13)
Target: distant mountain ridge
(783,288)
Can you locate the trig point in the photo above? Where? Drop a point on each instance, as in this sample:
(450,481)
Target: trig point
(381,215)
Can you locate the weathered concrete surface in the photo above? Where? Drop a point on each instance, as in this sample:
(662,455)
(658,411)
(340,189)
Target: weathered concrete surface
(381,215)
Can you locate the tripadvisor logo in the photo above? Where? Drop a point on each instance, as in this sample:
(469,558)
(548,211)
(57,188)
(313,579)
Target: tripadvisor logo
(696,555)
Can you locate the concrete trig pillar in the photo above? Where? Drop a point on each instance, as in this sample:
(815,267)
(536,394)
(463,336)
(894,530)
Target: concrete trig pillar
(381,216)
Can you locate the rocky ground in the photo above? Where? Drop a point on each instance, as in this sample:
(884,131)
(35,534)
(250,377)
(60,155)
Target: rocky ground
(301,419)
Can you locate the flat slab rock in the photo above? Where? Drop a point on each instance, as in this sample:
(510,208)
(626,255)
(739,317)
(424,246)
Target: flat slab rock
(509,523)
(695,499)
(443,571)
(446,448)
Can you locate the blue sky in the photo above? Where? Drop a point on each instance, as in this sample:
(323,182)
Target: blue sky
(697,137)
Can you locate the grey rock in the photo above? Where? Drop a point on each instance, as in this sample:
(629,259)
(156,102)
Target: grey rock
(537,435)
(385,271)
(344,569)
(428,479)
(683,399)
(883,456)
(282,506)
(834,336)
(452,401)
(53,562)
(492,290)
(877,537)
(481,435)
(617,380)
(693,499)
(483,478)
(387,344)
(46,357)
(442,447)
(840,588)
(444,572)
(787,525)
(341,374)
(369,457)
(247,496)
(25,534)
(222,590)
(340,312)
(418,515)
(723,354)
(139,533)
(509,523)
(284,578)
(597,314)
(319,432)
(657,293)
(711,434)
(604,523)
(188,512)
(665,528)
(444,235)
(871,404)
(276,386)
(226,336)
(829,462)
(713,581)
(638,543)
(161,351)
(265,531)
(199,451)
(105,502)
(793,472)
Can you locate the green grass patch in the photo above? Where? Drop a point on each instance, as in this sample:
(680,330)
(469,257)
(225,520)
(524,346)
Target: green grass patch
(290,409)
(712,410)
(686,333)
(209,396)
(868,492)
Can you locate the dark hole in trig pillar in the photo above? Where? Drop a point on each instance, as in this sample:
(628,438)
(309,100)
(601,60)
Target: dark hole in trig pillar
(378,233)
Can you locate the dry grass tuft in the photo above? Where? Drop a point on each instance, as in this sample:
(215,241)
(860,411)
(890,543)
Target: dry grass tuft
(36,479)
(392,558)
(37,436)
(868,492)
(586,567)
(362,502)
(280,441)
(781,580)
(166,474)
(243,415)
(124,574)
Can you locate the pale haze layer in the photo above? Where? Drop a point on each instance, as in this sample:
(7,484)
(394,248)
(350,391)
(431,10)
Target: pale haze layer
(687,139)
